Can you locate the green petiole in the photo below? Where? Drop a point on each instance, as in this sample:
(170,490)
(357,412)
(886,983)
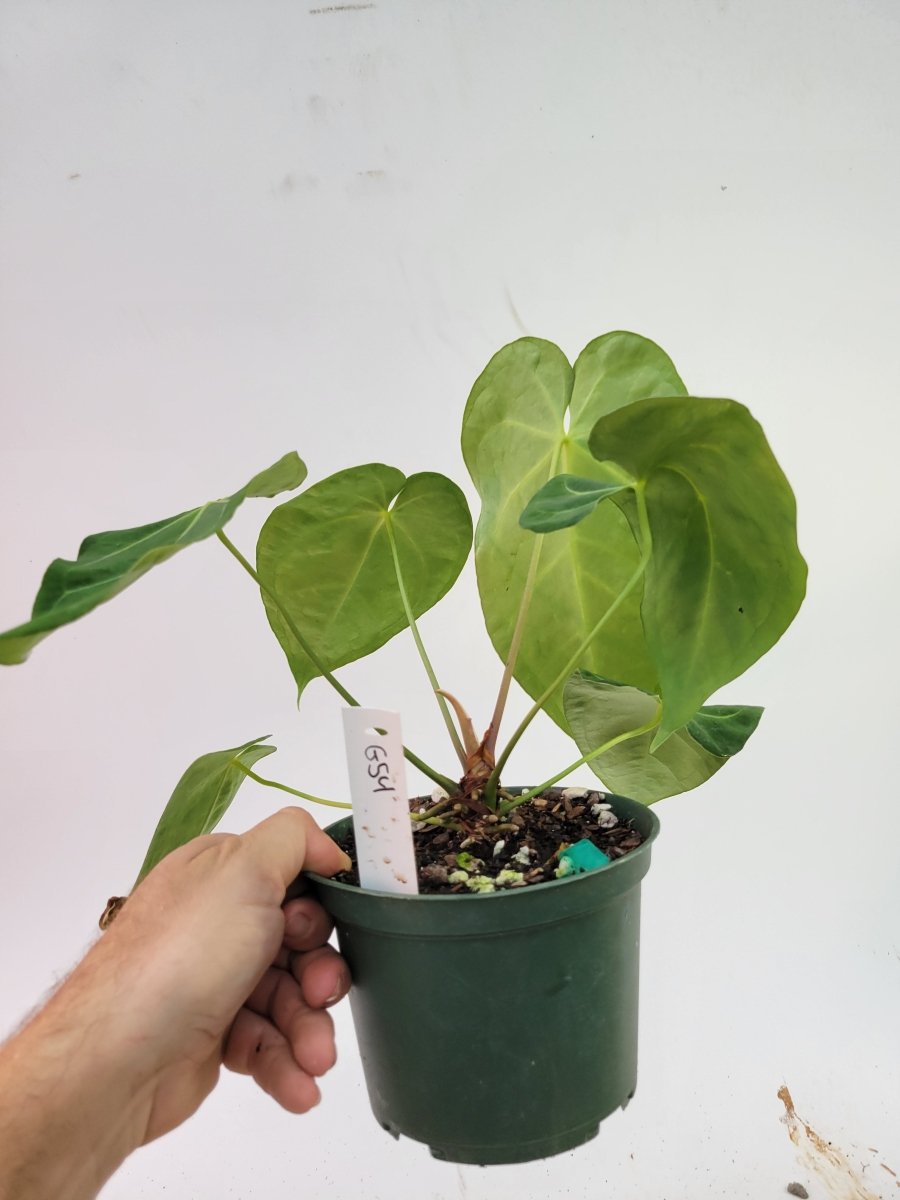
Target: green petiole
(435,776)
(507,806)
(283,787)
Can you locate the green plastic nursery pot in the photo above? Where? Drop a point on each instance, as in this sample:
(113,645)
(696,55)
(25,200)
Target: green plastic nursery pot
(498,1028)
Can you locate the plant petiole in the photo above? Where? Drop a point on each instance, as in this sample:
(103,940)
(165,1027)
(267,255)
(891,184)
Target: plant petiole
(435,776)
(445,821)
(283,787)
(423,655)
(516,640)
(507,806)
(287,618)
(490,790)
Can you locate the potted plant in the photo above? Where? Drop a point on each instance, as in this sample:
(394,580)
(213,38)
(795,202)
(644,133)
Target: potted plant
(635,551)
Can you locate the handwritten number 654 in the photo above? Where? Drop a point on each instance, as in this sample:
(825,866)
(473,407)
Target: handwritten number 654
(378,769)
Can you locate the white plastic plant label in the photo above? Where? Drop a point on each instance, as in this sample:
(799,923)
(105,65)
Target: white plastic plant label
(381,824)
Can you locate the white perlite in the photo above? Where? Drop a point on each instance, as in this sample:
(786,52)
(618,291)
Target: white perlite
(509,878)
(574,793)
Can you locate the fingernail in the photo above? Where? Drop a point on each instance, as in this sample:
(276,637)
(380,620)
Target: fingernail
(338,992)
(300,924)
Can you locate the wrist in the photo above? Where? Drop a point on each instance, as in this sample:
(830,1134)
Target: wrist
(71,1105)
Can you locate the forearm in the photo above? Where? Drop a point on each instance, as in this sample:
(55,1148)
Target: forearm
(71,1110)
(133,1041)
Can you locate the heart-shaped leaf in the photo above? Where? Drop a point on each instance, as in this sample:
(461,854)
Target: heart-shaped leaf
(326,555)
(725,577)
(598,710)
(201,798)
(528,419)
(108,563)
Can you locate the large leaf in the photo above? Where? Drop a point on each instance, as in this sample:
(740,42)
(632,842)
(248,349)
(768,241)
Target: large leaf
(108,563)
(326,555)
(725,576)
(201,798)
(598,709)
(514,440)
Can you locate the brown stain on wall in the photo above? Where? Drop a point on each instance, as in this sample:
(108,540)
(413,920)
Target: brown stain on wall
(822,1158)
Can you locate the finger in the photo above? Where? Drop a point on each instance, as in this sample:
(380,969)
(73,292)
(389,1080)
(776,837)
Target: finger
(290,841)
(310,1032)
(306,927)
(255,1047)
(306,924)
(323,976)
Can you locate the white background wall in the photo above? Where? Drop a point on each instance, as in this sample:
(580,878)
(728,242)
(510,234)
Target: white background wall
(230,229)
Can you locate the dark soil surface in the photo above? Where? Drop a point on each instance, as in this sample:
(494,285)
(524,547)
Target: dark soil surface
(525,845)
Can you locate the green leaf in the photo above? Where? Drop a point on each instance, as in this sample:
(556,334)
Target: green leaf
(284,476)
(722,729)
(514,440)
(201,798)
(108,563)
(564,501)
(598,709)
(725,577)
(326,555)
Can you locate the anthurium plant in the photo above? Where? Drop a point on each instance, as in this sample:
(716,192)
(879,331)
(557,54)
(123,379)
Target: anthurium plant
(635,551)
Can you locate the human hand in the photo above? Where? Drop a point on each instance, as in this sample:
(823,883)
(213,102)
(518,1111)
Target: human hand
(230,972)
(206,963)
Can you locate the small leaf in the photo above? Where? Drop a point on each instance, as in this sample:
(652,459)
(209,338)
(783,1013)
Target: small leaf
(598,710)
(285,475)
(326,555)
(725,577)
(201,798)
(109,562)
(565,500)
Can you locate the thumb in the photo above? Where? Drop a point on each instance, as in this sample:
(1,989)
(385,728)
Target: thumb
(290,841)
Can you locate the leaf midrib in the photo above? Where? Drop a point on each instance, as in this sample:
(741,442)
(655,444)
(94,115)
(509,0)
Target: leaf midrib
(378,525)
(68,593)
